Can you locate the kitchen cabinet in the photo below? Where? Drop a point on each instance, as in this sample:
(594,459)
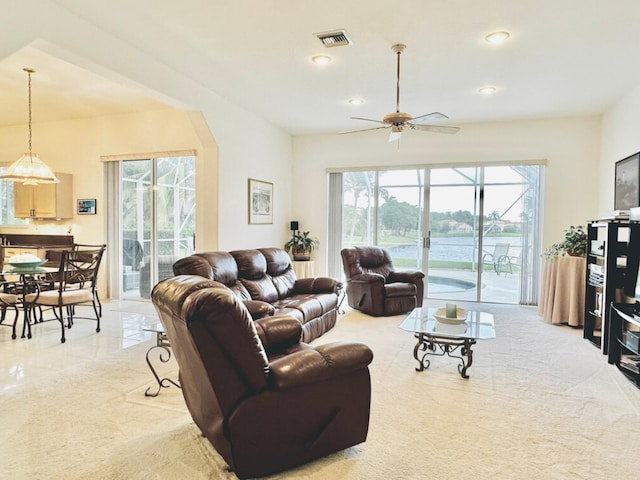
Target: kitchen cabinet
(47,200)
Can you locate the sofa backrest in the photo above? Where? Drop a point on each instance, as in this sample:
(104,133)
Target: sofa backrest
(366,259)
(218,266)
(252,274)
(280,270)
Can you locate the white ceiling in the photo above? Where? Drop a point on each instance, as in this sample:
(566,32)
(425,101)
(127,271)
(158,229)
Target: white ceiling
(564,58)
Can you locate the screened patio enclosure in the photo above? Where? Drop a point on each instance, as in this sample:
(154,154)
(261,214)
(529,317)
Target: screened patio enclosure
(473,230)
(155,220)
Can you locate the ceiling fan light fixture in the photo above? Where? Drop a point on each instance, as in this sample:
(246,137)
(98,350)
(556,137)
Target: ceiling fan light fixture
(29,169)
(488,90)
(497,38)
(321,59)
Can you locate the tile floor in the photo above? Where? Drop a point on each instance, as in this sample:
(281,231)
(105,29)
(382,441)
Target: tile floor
(24,360)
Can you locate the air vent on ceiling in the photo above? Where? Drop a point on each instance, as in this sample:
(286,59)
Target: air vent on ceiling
(334,39)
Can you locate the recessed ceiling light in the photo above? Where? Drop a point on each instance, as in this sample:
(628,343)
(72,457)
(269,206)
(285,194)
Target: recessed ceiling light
(321,59)
(487,90)
(356,101)
(497,37)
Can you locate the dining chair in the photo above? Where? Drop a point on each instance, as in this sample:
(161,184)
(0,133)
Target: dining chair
(9,301)
(79,247)
(74,284)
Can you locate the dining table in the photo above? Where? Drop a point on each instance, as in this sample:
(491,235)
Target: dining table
(23,280)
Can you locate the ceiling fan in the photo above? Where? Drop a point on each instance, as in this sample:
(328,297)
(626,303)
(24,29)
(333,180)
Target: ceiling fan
(398,120)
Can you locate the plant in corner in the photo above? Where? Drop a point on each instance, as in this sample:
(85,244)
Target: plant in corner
(301,245)
(574,244)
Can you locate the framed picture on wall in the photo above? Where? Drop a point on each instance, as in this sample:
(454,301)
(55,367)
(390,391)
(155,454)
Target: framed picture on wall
(86,206)
(627,188)
(260,202)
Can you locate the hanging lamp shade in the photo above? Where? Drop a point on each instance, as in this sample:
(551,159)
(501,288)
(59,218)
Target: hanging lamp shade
(29,169)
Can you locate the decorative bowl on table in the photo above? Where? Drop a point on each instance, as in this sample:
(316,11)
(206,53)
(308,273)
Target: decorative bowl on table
(25,261)
(441,316)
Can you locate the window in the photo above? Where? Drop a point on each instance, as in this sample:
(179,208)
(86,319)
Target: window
(6,204)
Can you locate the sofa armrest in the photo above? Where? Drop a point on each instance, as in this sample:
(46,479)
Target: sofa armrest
(406,276)
(278,333)
(318,364)
(259,309)
(317,285)
(368,278)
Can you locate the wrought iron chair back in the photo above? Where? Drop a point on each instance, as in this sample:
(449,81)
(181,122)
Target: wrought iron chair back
(75,283)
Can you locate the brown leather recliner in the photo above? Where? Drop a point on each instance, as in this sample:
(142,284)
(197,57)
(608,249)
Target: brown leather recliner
(375,287)
(265,400)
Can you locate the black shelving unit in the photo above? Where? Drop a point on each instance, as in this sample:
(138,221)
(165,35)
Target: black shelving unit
(624,349)
(607,246)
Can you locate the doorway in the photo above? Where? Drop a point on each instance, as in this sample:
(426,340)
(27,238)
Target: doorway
(155,220)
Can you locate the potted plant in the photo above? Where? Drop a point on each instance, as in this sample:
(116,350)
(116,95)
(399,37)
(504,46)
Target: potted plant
(574,244)
(301,245)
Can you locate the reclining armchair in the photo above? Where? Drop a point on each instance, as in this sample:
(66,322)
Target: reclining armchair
(265,400)
(375,287)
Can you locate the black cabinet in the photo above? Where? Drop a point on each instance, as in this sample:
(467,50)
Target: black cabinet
(607,247)
(624,349)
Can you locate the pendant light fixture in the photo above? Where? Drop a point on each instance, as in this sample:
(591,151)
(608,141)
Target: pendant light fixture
(29,169)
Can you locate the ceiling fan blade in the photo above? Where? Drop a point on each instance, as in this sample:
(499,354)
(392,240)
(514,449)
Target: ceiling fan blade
(429,117)
(365,119)
(436,128)
(362,130)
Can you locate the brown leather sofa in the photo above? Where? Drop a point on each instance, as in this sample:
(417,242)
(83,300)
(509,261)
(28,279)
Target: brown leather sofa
(266,275)
(375,287)
(265,400)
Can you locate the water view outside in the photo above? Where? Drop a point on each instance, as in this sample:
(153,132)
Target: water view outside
(479,223)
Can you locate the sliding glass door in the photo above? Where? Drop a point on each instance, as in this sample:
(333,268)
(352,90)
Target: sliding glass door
(472,230)
(155,222)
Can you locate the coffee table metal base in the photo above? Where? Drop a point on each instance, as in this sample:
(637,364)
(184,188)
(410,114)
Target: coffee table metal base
(440,345)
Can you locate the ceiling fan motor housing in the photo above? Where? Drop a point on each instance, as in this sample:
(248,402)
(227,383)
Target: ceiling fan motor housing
(397,118)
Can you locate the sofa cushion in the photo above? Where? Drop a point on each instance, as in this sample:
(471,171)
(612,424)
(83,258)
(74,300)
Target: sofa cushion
(284,283)
(196,264)
(224,268)
(252,265)
(278,261)
(262,289)
(309,306)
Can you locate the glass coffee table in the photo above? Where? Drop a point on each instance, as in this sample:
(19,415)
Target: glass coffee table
(439,338)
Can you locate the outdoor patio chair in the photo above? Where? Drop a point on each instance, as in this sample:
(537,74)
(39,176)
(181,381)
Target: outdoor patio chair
(499,257)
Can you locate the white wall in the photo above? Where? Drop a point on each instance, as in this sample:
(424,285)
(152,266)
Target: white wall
(76,147)
(243,144)
(620,138)
(570,147)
